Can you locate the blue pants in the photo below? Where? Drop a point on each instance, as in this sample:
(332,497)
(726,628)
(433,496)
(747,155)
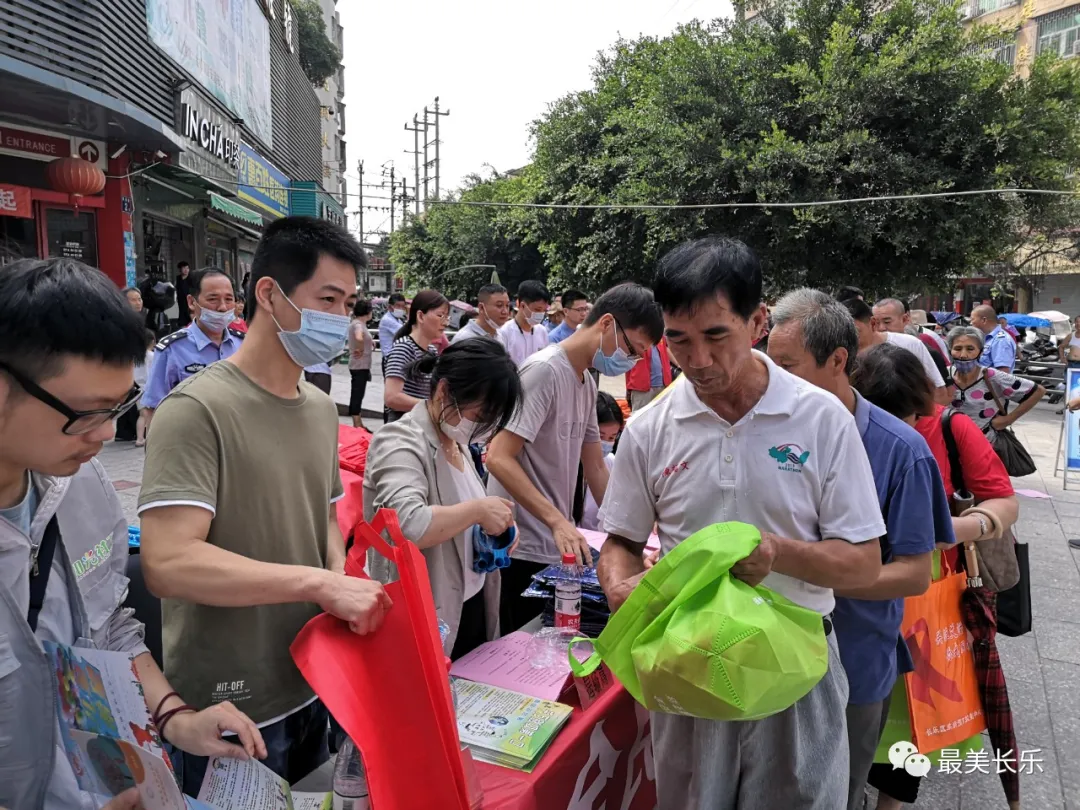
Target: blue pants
(295,746)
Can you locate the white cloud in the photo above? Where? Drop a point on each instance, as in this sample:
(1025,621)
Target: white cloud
(496,64)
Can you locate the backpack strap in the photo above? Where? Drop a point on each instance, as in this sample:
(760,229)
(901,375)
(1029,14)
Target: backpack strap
(39,573)
(956,471)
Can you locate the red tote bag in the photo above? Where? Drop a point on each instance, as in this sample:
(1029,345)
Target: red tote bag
(389,689)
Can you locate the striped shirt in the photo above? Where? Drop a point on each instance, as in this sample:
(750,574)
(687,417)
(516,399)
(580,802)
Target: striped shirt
(403,354)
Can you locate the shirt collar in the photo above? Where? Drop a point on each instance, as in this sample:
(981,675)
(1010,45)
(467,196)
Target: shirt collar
(779,398)
(201,340)
(862,413)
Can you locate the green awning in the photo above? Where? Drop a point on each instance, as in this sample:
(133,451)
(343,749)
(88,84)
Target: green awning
(235,210)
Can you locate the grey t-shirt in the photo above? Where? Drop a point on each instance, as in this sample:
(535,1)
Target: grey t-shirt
(557,417)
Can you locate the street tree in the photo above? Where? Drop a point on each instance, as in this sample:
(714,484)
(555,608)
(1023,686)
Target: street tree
(429,250)
(319,57)
(817,100)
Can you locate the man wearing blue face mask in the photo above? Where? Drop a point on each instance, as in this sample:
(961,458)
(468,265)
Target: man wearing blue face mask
(240,470)
(534,462)
(524,334)
(204,341)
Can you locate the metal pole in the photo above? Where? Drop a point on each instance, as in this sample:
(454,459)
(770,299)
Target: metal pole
(361,214)
(391,199)
(426,195)
(416,165)
(437,147)
(404,202)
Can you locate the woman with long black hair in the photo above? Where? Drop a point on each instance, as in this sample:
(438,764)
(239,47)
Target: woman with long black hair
(403,384)
(419,466)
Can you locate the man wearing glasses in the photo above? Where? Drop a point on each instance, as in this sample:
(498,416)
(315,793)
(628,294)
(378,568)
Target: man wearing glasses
(535,461)
(575,306)
(68,346)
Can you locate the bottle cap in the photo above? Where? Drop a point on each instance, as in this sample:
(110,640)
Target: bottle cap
(569,559)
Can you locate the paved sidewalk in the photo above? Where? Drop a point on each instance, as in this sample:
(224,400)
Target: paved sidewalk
(1042,668)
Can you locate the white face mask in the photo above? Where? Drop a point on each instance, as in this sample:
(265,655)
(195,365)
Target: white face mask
(607,447)
(400,314)
(462,432)
(536,318)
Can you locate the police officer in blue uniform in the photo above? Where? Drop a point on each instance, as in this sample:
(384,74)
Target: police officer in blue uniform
(999,349)
(205,341)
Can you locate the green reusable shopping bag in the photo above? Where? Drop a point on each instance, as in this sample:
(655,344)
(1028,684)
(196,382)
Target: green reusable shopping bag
(694,640)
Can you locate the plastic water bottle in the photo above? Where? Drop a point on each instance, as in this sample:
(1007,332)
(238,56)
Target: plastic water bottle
(568,596)
(350,779)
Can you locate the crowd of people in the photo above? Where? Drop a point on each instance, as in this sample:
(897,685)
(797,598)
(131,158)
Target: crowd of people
(502,430)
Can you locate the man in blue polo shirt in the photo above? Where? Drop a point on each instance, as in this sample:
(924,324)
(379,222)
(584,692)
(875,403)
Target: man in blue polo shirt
(814,337)
(575,306)
(999,349)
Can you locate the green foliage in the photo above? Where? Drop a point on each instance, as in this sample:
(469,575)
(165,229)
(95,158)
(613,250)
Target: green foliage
(822,100)
(427,251)
(319,57)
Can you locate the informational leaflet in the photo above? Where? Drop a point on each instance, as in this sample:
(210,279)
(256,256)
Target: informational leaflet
(506,728)
(112,743)
(98,692)
(507,663)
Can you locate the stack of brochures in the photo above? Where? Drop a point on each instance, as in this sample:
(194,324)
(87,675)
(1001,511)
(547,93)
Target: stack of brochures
(506,728)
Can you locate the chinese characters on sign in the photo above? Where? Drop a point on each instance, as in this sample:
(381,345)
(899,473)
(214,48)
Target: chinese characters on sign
(15,201)
(262,184)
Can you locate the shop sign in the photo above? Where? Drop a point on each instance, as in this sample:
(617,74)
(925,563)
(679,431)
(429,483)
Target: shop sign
(39,144)
(331,213)
(15,201)
(213,140)
(262,184)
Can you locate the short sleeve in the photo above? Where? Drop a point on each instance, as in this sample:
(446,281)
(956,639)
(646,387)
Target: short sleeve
(1002,353)
(929,366)
(538,383)
(399,360)
(1009,386)
(849,507)
(181,466)
(984,474)
(629,504)
(157,383)
(919,494)
(592,427)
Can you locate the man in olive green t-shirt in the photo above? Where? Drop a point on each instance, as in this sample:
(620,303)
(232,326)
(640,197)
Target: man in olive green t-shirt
(239,532)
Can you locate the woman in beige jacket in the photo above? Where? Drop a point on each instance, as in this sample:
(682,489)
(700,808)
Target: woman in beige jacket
(421,468)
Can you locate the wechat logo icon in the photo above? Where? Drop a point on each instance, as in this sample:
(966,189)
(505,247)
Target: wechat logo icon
(905,755)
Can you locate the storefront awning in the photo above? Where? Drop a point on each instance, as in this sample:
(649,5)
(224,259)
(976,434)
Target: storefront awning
(235,210)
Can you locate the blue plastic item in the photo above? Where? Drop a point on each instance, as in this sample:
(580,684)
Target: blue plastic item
(1026,321)
(134,537)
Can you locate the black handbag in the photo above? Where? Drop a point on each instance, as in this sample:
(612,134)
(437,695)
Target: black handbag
(1013,454)
(1014,605)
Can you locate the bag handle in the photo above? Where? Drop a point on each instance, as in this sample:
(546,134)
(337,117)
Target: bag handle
(1002,409)
(584,668)
(367,535)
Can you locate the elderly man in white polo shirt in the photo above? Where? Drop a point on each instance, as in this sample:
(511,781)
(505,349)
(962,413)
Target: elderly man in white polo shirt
(738,438)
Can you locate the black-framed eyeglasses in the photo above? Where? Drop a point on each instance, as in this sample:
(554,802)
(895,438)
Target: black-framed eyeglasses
(630,350)
(78,422)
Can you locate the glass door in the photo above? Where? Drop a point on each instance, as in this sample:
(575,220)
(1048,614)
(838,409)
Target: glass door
(71,234)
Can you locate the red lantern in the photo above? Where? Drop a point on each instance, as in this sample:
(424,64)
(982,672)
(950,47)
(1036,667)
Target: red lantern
(75,176)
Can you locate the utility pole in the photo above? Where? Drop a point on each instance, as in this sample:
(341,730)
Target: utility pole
(437,116)
(404,202)
(360,185)
(391,199)
(416,129)
(427,196)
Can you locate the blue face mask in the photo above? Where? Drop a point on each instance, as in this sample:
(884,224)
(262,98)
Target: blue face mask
(320,338)
(964,366)
(216,321)
(615,364)
(491,553)
(607,447)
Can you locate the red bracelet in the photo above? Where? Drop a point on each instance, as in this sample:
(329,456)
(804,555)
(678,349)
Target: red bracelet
(165,718)
(157,711)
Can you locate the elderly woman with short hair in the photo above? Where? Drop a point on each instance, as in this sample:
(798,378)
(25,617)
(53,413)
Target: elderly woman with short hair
(983,393)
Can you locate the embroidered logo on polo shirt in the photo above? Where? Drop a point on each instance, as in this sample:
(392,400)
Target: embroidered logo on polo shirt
(94,558)
(791,457)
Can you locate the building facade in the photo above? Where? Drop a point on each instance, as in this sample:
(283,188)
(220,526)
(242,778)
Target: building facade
(197,112)
(332,111)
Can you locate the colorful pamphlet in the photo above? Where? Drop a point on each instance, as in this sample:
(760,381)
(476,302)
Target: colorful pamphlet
(506,728)
(112,743)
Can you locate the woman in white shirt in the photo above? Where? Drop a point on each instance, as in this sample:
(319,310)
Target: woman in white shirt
(419,466)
